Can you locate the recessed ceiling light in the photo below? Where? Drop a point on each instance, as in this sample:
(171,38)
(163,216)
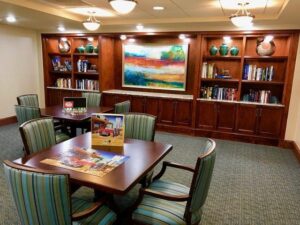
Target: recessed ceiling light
(123,37)
(61,28)
(90,39)
(158,8)
(11,19)
(131,40)
(140,27)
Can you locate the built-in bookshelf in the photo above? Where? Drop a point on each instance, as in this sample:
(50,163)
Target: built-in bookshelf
(73,62)
(255,78)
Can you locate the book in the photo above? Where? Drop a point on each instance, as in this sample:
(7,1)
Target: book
(108,130)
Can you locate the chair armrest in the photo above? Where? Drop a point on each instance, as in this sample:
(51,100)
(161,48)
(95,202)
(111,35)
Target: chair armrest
(165,196)
(174,165)
(89,211)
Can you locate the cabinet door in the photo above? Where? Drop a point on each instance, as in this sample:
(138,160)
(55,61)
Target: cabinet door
(137,104)
(166,111)
(122,98)
(246,118)
(183,113)
(53,97)
(226,116)
(152,106)
(108,100)
(206,115)
(270,121)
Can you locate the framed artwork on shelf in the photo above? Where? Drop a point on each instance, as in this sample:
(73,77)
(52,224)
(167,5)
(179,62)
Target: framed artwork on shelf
(155,66)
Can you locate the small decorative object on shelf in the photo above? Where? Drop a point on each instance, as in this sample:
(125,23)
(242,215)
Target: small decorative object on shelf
(210,71)
(96,49)
(80,49)
(64,45)
(234,51)
(223,49)
(213,50)
(265,47)
(89,48)
(58,66)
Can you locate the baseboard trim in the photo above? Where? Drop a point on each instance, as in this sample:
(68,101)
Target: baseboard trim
(8,120)
(293,146)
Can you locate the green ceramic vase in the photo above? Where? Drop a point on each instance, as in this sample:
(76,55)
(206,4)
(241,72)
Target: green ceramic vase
(223,50)
(89,48)
(234,51)
(80,49)
(213,50)
(96,50)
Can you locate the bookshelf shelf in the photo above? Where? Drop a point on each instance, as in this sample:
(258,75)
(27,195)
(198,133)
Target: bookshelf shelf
(85,54)
(87,73)
(61,72)
(59,54)
(255,82)
(208,57)
(219,80)
(266,58)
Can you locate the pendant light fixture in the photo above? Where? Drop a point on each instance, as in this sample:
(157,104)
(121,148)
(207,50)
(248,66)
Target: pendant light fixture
(91,23)
(242,18)
(123,6)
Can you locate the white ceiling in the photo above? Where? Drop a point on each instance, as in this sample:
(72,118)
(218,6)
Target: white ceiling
(47,15)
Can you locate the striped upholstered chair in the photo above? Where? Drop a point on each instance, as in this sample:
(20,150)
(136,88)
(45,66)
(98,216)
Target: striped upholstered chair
(92,99)
(122,107)
(165,202)
(25,113)
(28,100)
(38,134)
(140,126)
(43,198)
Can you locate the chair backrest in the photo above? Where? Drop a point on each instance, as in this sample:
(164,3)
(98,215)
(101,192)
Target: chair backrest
(92,99)
(28,100)
(41,197)
(140,126)
(25,113)
(37,134)
(201,178)
(122,107)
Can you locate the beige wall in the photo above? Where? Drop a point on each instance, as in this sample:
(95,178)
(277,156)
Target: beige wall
(293,123)
(19,66)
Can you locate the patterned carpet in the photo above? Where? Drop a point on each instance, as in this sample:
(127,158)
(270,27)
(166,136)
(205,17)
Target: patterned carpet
(251,185)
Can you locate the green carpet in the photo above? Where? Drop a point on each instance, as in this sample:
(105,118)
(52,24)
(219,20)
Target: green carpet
(251,184)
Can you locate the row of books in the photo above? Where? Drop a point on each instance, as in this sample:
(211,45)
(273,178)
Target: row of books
(83,66)
(252,72)
(58,66)
(261,96)
(219,93)
(210,70)
(63,83)
(86,84)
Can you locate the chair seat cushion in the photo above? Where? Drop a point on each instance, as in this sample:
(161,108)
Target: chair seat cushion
(103,214)
(158,211)
(60,137)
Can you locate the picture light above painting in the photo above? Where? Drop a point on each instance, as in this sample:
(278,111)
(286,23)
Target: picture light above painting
(155,66)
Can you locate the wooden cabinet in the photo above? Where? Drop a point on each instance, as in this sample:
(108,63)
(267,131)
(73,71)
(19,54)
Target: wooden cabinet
(138,104)
(216,115)
(166,111)
(259,120)
(152,106)
(183,112)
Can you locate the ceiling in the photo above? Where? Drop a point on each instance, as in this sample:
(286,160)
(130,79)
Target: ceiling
(187,15)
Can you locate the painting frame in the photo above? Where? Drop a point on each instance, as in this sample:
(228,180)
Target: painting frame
(173,85)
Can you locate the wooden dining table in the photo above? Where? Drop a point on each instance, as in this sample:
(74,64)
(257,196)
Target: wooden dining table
(143,156)
(75,120)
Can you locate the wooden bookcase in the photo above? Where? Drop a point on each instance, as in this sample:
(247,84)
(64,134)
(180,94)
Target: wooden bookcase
(63,82)
(187,111)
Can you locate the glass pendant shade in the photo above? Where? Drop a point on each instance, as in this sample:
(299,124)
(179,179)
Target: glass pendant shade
(242,21)
(123,6)
(91,23)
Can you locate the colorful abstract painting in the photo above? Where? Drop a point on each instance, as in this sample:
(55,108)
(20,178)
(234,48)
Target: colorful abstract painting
(155,66)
